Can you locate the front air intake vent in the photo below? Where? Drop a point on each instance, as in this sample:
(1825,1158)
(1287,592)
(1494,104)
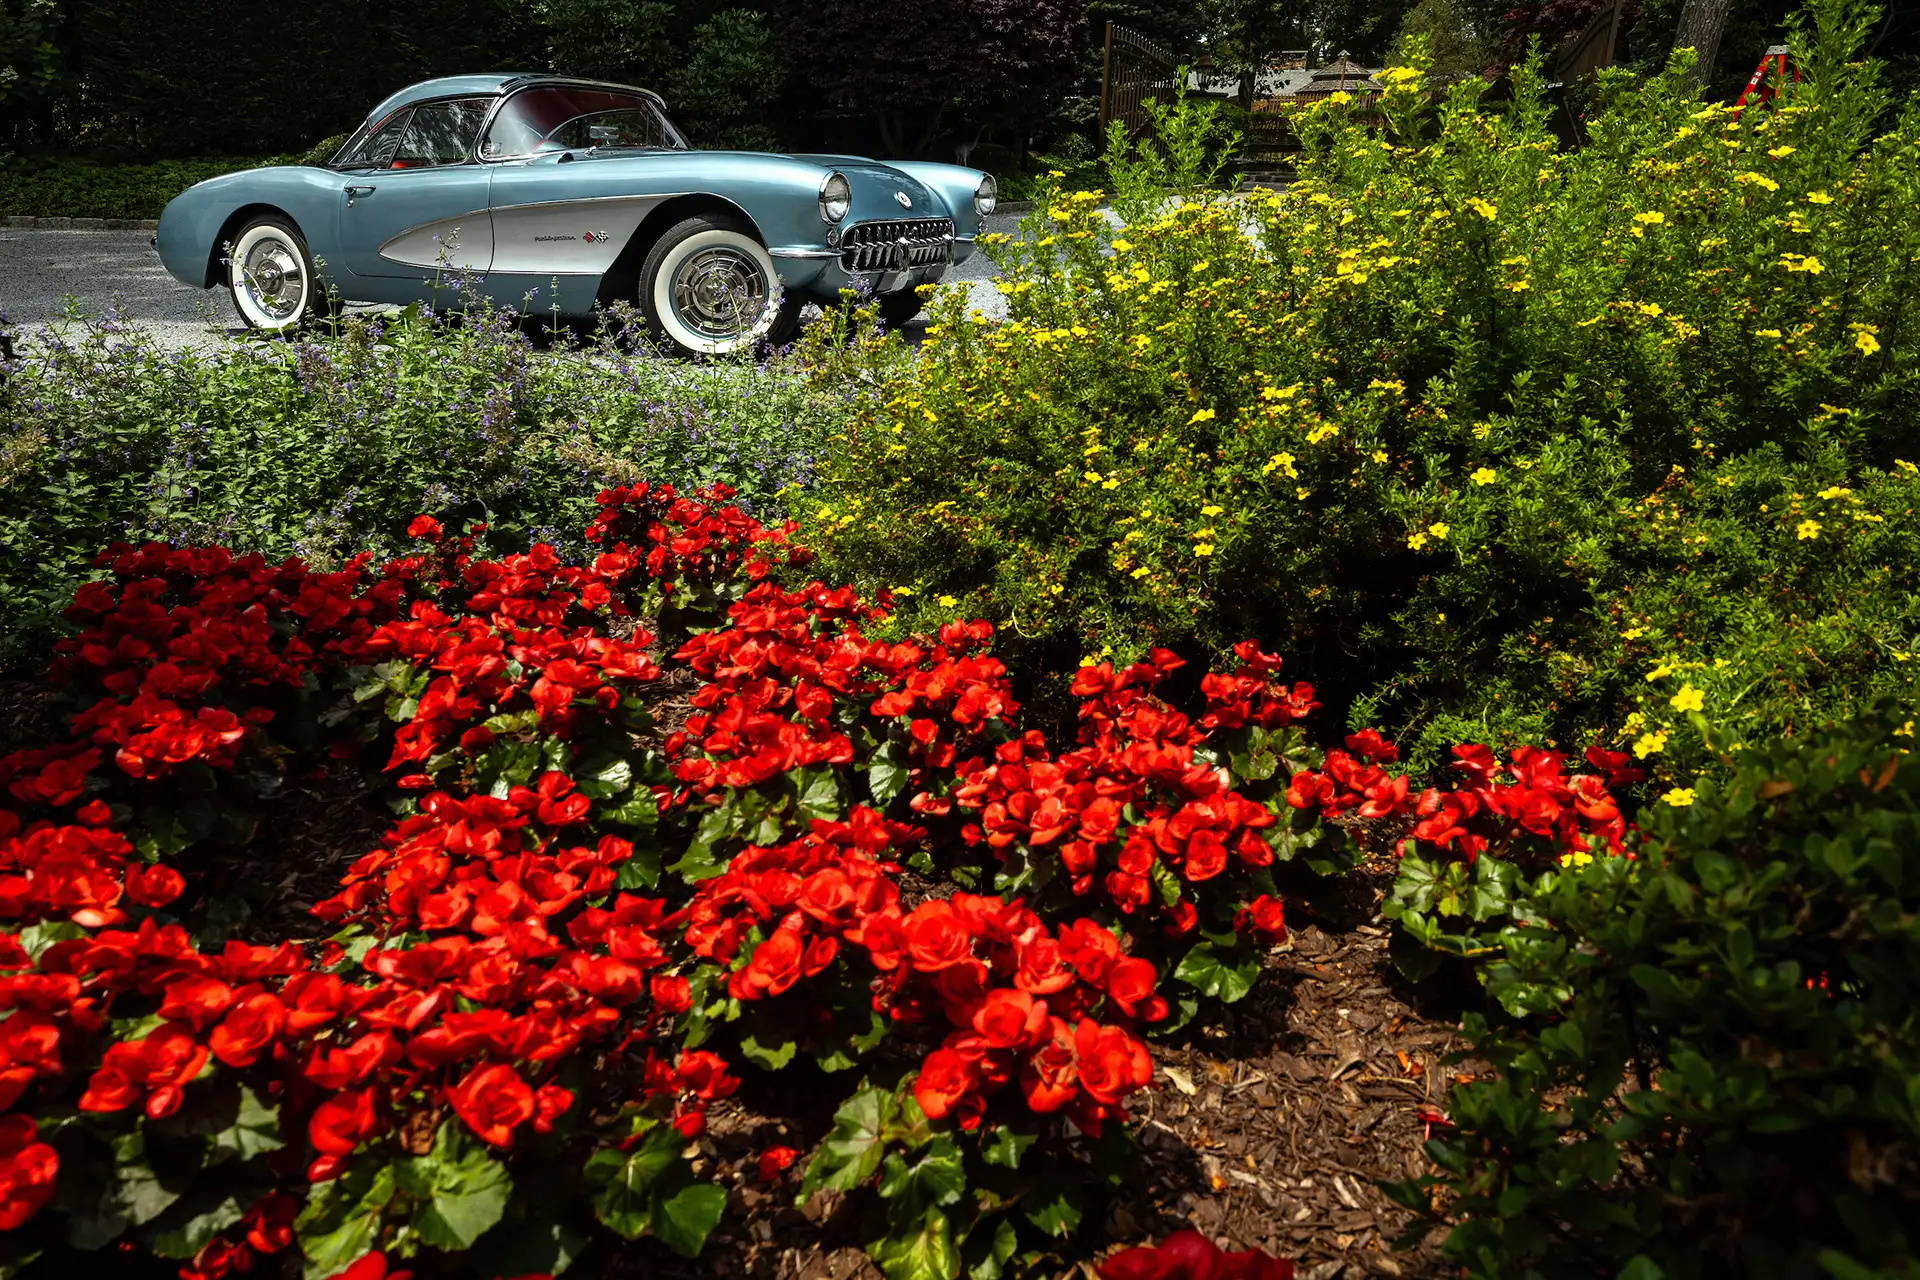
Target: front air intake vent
(898,244)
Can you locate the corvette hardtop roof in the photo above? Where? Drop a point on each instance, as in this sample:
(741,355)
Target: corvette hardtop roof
(497,82)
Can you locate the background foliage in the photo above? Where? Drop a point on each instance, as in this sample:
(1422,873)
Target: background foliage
(118,79)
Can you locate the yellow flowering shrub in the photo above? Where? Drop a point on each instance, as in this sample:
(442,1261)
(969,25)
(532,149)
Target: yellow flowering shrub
(1446,417)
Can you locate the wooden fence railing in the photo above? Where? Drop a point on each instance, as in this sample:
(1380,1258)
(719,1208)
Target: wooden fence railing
(1135,71)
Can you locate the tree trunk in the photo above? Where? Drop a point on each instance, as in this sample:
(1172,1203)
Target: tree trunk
(891,135)
(1701,22)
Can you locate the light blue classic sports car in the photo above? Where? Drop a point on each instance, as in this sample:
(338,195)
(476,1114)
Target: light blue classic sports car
(579,194)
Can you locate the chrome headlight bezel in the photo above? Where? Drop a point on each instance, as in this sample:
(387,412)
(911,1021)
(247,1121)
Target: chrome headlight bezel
(836,194)
(986,196)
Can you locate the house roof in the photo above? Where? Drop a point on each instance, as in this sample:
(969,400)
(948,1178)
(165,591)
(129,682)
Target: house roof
(1343,73)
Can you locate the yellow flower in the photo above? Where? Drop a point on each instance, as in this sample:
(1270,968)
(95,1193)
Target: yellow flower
(1203,549)
(1780,153)
(1121,246)
(1807,530)
(1819,197)
(1485,476)
(1650,744)
(1577,858)
(1758,180)
(945,602)
(1834,491)
(1867,343)
(1484,209)
(1904,465)
(1689,699)
(1633,633)
(1281,462)
(1203,415)
(1141,572)
(1379,455)
(1416,540)
(1766,333)
(1650,217)
(1796,262)
(1211,510)
(1679,797)
(1439,531)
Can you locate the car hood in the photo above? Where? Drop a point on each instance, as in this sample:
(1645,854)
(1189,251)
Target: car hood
(875,185)
(880,191)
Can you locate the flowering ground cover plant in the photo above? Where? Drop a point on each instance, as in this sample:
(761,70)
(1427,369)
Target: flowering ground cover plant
(585,925)
(1501,441)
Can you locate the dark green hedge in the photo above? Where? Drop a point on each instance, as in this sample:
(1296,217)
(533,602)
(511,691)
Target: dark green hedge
(70,187)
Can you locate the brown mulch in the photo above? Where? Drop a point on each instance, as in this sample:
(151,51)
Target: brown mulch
(313,831)
(1273,1130)
(29,713)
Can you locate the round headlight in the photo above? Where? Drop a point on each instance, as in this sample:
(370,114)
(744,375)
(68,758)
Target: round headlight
(836,197)
(986,195)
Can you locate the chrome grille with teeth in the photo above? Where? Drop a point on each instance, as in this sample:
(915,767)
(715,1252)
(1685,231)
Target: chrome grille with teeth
(897,244)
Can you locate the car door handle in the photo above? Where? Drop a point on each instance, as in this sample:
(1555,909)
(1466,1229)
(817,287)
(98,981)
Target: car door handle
(354,192)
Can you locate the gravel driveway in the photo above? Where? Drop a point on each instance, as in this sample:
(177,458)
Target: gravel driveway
(42,271)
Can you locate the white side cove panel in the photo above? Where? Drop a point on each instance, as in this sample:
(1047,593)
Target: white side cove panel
(463,243)
(567,237)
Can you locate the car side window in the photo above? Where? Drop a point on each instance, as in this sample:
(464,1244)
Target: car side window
(628,127)
(377,149)
(440,133)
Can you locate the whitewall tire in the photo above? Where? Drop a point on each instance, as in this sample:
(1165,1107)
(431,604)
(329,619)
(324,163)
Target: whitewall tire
(271,276)
(710,288)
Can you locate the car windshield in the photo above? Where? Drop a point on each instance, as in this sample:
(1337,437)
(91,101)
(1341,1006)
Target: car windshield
(565,118)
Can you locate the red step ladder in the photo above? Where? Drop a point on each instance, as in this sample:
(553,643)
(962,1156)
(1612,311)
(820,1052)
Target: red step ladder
(1775,67)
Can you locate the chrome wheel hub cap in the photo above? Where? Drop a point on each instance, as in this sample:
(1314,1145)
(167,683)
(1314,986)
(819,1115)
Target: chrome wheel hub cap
(720,292)
(273,280)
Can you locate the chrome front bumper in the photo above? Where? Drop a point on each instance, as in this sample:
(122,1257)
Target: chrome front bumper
(879,257)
